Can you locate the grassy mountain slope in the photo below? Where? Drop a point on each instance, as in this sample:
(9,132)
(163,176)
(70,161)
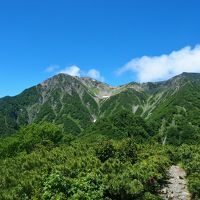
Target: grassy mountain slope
(62,99)
(74,103)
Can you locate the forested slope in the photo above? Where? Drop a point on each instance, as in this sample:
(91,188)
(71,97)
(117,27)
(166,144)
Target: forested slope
(77,138)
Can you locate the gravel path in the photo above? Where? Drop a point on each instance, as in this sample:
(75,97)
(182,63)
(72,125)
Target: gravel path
(176,189)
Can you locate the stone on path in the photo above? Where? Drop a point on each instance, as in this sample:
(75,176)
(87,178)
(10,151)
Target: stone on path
(176,189)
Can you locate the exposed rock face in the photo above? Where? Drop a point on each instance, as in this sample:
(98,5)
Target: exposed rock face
(176,189)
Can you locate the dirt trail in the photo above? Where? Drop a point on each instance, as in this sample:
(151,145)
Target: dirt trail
(176,189)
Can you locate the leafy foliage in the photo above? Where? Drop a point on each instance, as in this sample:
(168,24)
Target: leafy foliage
(120,125)
(40,162)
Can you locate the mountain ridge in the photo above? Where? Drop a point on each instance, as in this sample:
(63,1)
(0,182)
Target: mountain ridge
(184,74)
(74,102)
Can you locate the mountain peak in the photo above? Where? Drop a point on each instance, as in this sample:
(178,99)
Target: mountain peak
(59,78)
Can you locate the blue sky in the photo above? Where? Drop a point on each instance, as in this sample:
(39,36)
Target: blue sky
(106,39)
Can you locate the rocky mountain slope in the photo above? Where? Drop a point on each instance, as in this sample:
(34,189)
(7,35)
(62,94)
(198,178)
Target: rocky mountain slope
(74,102)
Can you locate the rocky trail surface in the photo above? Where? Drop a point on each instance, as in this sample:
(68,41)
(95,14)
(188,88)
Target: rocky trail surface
(176,188)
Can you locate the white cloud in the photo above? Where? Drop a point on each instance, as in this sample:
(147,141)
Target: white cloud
(72,70)
(162,67)
(52,68)
(76,71)
(93,73)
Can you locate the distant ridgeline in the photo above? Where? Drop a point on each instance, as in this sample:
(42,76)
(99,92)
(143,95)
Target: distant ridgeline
(171,108)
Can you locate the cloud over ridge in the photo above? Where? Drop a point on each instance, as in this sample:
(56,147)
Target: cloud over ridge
(157,68)
(95,74)
(72,71)
(76,71)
